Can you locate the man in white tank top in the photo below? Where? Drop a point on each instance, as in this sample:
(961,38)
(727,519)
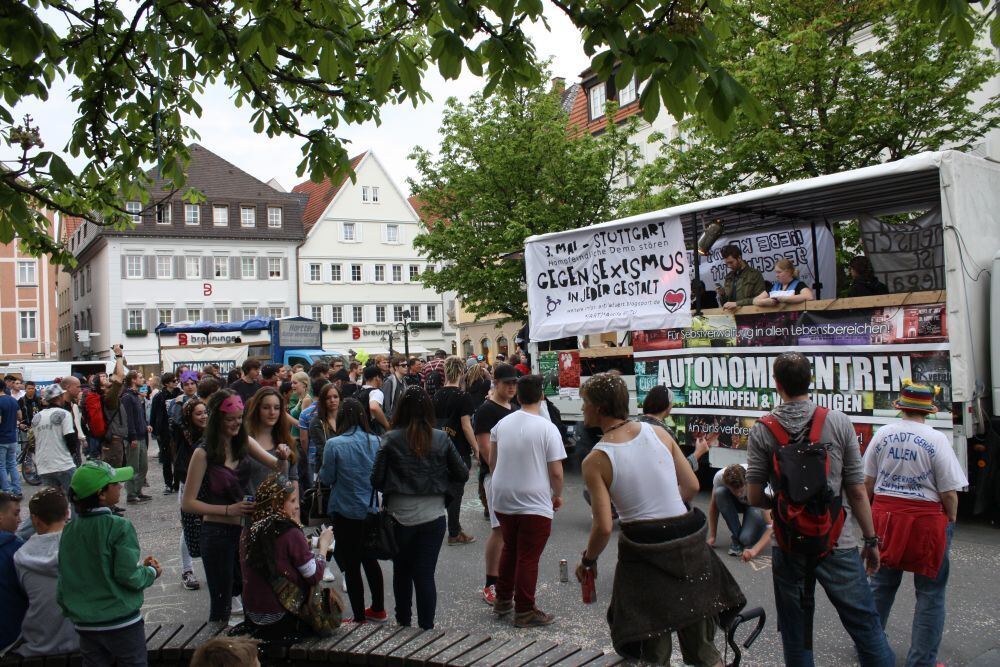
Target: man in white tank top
(642,470)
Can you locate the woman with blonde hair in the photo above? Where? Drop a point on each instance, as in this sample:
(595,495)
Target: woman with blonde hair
(787,288)
(454,409)
(301,399)
(477,383)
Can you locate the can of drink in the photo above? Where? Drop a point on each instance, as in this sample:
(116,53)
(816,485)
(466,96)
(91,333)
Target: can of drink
(588,586)
(246,520)
(563,571)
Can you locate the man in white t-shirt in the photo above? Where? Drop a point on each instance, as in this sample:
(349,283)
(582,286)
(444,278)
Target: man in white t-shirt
(913,475)
(526,454)
(55,440)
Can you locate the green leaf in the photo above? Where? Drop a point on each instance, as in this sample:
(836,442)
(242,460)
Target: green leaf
(329,63)
(60,172)
(385,67)
(649,102)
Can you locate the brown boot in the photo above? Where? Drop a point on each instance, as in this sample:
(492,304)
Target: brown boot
(503,607)
(461,538)
(532,619)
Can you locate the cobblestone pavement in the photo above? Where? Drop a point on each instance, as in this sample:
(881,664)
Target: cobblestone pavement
(972,633)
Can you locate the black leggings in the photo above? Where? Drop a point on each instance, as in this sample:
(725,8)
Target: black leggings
(349,534)
(455,506)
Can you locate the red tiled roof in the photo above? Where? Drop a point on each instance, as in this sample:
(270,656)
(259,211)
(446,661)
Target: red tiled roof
(579,115)
(321,194)
(70,223)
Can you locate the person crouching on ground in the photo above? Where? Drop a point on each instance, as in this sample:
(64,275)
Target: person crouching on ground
(101,577)
(750,537)
(673,581)
(278,567)
(45,630)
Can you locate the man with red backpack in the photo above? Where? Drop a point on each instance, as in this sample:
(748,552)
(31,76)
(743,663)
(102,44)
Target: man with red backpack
(811,459)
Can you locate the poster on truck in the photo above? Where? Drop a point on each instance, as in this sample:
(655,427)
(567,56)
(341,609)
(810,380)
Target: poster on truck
(720,368)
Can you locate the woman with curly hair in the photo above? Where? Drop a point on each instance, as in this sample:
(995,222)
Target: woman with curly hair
(218,480)
(265,423)
(278,566)
(186,436)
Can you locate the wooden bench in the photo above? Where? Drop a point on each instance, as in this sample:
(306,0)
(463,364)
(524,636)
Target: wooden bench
(173,644)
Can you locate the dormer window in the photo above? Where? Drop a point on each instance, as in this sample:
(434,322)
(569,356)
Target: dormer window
(598,98)
(627,95)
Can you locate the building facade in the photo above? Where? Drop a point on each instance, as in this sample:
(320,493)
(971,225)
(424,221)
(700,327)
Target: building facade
(28,318)
(227,258)
(358,271)
(64,302)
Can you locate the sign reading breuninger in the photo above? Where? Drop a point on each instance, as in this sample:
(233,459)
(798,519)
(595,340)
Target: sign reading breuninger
(608,278)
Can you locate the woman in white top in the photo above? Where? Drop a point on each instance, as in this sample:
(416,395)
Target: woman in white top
(787,287)
(673,581)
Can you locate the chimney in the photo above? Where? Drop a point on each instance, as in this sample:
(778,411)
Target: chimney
(558,84)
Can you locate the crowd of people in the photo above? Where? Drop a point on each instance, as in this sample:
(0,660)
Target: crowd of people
(389,446)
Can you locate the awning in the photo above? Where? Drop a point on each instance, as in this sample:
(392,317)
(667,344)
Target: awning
(205,327)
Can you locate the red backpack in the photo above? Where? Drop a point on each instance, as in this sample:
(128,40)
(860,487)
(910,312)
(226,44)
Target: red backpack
(808,515)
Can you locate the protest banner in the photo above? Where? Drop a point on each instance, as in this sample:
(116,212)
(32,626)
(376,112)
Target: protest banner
(608,278)
(721,368)
(548,367)
(763,249)
(907,256)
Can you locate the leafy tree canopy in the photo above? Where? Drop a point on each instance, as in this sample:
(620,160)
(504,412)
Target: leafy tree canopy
(507,168)
(303,67)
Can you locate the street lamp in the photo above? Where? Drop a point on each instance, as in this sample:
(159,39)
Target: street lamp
(401,328)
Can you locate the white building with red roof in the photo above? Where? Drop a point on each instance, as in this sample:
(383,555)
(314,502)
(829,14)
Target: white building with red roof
(358,271)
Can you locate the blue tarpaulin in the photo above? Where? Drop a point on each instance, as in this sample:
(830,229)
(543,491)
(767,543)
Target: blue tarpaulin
(253,324)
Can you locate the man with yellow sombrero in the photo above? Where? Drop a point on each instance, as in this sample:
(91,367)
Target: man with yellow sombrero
(913,476)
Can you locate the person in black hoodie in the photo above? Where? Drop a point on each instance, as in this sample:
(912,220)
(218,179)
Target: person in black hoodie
(863,280)
(159,421)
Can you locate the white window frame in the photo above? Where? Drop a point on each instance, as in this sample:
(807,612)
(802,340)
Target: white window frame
(374,194)
(360,273)
(336,314)
(193,314)
(192,215)
(248,217)
(364,194)
(315,273)
(168,264)
(432,312)
(274,312)
(380,314)
(337,273)
(392,233)
(316,313)
(379,269)
(397,273)
(165,316)
(415,312)
(274,271)
(597,102)
(222,315)
(162,219)
(190,262)
(245,263)
(274,217)
(27,325)
(628,94)
(26,272)
(220,262)
(220,220)
(349,236)
(397,313)
(357,314)
(135,318)
(414,273)
(133,269)
(134,209)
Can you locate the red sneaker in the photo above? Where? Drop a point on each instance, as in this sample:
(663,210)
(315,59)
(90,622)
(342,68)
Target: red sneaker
(376,616)
(490,594)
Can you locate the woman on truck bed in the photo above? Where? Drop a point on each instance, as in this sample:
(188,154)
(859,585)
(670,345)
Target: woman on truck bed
(787,288)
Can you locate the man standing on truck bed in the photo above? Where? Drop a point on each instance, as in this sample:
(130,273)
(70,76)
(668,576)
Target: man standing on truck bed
(743,282)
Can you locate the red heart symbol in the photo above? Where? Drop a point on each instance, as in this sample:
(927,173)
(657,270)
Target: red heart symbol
(674,299)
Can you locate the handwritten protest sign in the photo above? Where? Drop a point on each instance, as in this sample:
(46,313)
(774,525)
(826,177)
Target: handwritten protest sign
(608,278)
(909,256)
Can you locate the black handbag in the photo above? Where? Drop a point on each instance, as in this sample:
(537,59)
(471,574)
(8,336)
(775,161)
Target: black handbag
(191,523)
(380,533)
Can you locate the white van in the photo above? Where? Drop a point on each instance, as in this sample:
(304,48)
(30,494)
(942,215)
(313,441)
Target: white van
(46,372)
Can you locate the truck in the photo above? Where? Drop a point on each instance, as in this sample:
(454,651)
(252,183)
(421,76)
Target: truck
(285,340)
(45,372)
(929,223)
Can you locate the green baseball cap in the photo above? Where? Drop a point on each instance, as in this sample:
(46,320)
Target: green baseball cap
(93,476)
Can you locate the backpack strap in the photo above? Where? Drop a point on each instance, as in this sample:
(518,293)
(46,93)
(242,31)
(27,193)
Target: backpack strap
(776,429)
(818,419)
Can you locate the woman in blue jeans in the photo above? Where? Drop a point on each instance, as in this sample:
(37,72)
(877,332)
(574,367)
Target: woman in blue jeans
(414,470)
(223,463)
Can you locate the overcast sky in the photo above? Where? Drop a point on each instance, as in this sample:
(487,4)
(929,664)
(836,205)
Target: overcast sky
(226,130)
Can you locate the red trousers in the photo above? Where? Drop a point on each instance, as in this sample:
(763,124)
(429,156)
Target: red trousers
(524,539)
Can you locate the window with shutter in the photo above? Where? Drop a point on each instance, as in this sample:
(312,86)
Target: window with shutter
(192,267)
(222,315)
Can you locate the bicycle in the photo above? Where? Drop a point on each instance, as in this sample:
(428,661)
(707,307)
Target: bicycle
(26,459)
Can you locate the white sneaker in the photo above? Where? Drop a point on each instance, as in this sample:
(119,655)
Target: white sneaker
(237,608)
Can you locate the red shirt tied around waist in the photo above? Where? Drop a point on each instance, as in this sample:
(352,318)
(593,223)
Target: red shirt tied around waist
(913,475)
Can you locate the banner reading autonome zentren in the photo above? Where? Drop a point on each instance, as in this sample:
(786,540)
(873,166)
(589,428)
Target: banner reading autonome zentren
(720,369)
